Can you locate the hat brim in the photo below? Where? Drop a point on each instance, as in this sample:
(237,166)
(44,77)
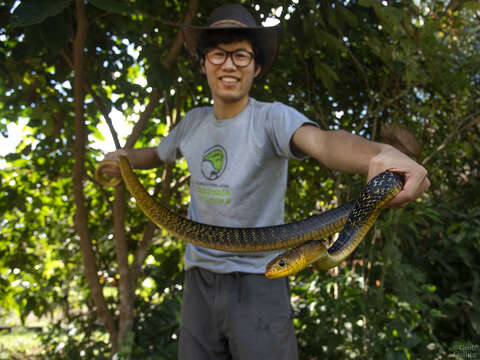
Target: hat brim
(270,41)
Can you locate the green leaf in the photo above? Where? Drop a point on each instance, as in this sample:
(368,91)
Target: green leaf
(368,3)
(326,75)
(395,355)
(412,341)
(13,156)
(96,133)
(471,5)
(159,76)
(435,313)
(55,32)
(392,14)
(34,12)
(334,45)
(475,321)
(114,6)
(347,16)
(334,22)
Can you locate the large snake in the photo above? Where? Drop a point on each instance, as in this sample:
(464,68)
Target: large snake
(355,218)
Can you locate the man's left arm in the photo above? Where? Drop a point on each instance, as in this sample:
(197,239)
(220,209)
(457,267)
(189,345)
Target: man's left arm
(346,152)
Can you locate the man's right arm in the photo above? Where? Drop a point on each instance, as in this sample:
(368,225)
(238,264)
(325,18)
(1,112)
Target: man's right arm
(142,158)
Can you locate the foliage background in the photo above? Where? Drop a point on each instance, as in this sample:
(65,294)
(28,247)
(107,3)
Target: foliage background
(395,71)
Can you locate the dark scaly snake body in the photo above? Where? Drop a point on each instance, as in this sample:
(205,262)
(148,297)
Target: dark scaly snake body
(355,218)
(234,239)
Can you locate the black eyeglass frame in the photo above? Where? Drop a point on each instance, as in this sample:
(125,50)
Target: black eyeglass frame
(229,54)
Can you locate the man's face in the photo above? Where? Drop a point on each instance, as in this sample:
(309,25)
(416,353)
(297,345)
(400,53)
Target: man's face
(230,83)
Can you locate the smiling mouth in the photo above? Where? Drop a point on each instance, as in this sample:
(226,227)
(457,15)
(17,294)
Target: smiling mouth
(229,79)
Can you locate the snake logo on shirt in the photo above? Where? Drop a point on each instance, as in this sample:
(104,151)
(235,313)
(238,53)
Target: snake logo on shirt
(214,162)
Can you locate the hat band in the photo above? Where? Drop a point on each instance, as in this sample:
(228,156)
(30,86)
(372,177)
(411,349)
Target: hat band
(227,23)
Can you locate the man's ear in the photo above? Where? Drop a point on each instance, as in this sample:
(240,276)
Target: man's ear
(201,66)
(258,69)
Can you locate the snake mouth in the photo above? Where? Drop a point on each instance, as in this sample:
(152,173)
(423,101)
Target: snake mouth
(274,271)
(286,264)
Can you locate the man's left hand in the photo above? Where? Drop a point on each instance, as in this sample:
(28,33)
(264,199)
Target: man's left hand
(416,180)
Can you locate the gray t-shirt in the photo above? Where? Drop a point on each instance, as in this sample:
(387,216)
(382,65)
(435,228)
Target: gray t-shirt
(238,173)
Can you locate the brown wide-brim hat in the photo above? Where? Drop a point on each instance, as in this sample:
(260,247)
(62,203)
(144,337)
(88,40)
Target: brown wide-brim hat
(235,16)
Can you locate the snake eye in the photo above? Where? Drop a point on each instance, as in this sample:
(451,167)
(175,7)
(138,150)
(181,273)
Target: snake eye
(281,263)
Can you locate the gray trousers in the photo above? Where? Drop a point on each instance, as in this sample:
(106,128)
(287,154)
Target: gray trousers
(236,316)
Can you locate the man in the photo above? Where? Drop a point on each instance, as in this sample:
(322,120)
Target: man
(237,152)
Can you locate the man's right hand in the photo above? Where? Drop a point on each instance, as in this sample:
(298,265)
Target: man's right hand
(108,169)
(141,158)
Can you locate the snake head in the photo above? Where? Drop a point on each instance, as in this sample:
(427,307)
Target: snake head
(285,264)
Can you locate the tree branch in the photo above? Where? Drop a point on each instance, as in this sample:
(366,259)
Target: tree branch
(96,99)
(105,114)
(177,44)
(126,293)
(475,119)
(141,253)
(167,63)
(142,121)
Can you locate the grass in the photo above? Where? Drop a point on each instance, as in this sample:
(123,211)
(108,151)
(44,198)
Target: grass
(20,343)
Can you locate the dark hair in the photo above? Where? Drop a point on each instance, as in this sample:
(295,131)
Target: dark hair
(214,37)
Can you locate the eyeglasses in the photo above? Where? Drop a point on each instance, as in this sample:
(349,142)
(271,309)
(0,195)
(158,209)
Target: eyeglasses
(240,57)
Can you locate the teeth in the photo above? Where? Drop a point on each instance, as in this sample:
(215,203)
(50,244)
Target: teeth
(229,79)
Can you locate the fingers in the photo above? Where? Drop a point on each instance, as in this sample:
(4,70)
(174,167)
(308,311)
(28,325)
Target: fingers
(110,169)
(416,180)
(113,156)
(415,185)
(107,172)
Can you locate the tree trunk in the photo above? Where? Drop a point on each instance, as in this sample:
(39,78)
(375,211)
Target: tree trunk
(81,217)
(129,275)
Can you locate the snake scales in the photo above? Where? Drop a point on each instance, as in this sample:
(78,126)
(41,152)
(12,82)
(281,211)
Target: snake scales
(355,218)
